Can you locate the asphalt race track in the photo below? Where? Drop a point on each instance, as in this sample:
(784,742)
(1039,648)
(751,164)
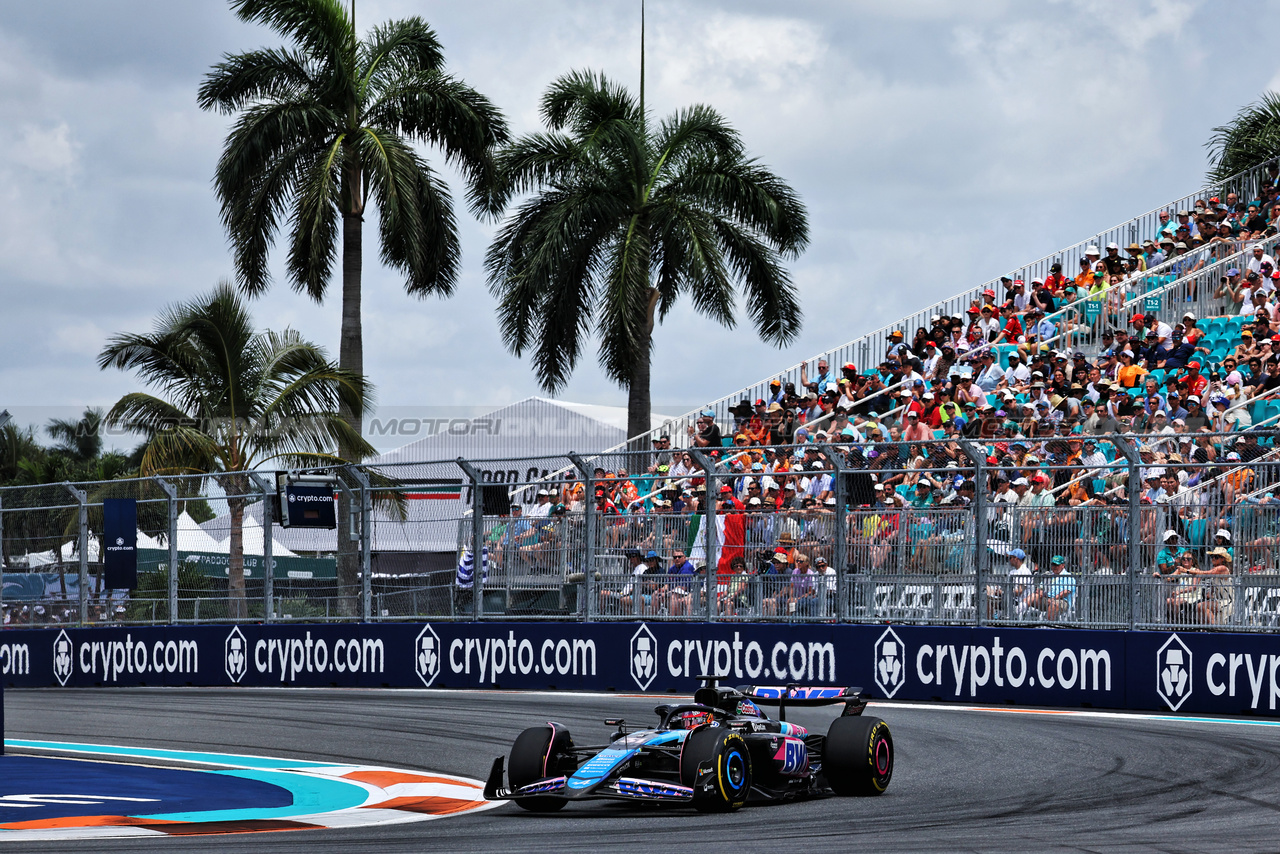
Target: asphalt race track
(965,780)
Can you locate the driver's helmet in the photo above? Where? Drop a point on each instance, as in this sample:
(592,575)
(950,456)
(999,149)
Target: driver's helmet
(748,709)
(689,719)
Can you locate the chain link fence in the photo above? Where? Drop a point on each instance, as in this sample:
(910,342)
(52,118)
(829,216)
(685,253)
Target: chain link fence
(1159,531)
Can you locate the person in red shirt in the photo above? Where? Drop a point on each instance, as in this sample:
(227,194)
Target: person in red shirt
(1055,281)
(1196,381)
(1012,328)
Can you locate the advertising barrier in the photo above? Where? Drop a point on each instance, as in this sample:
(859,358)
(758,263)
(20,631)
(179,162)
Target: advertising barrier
(1185,672)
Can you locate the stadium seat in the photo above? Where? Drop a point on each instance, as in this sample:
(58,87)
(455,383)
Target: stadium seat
(1196,529)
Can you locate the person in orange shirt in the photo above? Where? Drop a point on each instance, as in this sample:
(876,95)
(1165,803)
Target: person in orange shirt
(1129,374)
(756,427)
(1084,281)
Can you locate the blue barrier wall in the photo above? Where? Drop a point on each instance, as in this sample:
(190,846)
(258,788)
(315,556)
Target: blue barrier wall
(1187,672)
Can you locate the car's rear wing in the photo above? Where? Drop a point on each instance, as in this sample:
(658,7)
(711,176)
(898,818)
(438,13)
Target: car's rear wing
(799,695)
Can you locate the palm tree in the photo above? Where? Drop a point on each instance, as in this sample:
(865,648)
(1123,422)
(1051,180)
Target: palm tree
(231,399)
(623,219)
(326,127)
(79,440)
(1251,138)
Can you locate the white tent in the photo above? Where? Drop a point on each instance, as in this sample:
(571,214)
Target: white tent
(532,436)
(193,538)
(253,541)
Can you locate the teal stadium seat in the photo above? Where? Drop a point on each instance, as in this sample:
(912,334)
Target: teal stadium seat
(1196,529)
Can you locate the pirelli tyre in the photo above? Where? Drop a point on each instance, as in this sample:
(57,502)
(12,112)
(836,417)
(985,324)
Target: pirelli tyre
(540,751)
(716,764)
(858,756)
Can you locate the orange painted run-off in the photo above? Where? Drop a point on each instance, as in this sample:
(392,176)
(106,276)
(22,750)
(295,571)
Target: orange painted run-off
(208,828)
(84,821)
(383,779)
(430,806)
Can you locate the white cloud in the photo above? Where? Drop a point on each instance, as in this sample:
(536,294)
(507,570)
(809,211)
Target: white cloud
(936,144)
(46,150)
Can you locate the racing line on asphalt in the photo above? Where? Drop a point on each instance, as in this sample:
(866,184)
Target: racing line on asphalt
(967,777)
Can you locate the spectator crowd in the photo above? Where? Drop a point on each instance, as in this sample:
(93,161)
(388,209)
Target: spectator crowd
(1045,399)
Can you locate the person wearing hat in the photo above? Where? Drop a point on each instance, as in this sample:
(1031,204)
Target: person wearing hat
(1056,594)
(1216,604)
(1258,257)
(620,601)
(1010,598)
(705,432)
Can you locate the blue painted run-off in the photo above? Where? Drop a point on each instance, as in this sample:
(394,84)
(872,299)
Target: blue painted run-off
(155,792)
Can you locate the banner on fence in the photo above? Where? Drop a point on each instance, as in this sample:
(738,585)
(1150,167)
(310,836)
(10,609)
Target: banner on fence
(120,543)
(1185,672)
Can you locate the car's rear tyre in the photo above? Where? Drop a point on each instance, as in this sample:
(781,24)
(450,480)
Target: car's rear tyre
(540,751)
(722,756)
(858,756)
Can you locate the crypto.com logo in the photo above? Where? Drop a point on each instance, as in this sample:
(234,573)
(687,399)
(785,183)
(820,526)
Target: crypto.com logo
(890,667)
(644,657)
(62,658)
(237,655)
(426,660)
(1173,672)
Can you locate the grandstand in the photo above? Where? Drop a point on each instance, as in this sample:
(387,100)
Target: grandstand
(867,351)
(1089,439)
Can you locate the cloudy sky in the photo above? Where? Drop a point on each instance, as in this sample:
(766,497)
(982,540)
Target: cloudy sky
(936,144)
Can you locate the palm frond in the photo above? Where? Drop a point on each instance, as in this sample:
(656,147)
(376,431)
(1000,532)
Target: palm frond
(416,223)
(313,245)
(438,110)
(321,28)
(245,79)
(1250,139)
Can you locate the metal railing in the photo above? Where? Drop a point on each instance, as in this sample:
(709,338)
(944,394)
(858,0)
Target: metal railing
(901,531)
(869,349)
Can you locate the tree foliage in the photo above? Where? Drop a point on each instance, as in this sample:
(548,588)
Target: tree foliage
(1248,140)
(623,217)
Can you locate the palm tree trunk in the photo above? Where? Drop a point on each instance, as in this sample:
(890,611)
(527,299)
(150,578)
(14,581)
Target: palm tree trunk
(350,358)
(639,403)
(236,602)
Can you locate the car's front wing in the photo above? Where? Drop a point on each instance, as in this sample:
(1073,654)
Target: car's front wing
(608,788)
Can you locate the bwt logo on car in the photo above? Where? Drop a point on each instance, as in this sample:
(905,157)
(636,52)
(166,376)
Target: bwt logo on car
(810,662)
(292,656)
(972,666)
(489,658)
(1236,674)
(108,661)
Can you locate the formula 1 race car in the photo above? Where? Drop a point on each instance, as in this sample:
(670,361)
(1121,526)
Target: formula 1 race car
(715,753)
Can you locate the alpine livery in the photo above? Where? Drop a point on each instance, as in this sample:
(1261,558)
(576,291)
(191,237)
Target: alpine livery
(716,754)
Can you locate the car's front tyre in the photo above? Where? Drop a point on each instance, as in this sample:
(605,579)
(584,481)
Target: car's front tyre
(716,764)
(540,751)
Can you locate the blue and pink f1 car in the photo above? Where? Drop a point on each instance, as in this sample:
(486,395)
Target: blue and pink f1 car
(716,753)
